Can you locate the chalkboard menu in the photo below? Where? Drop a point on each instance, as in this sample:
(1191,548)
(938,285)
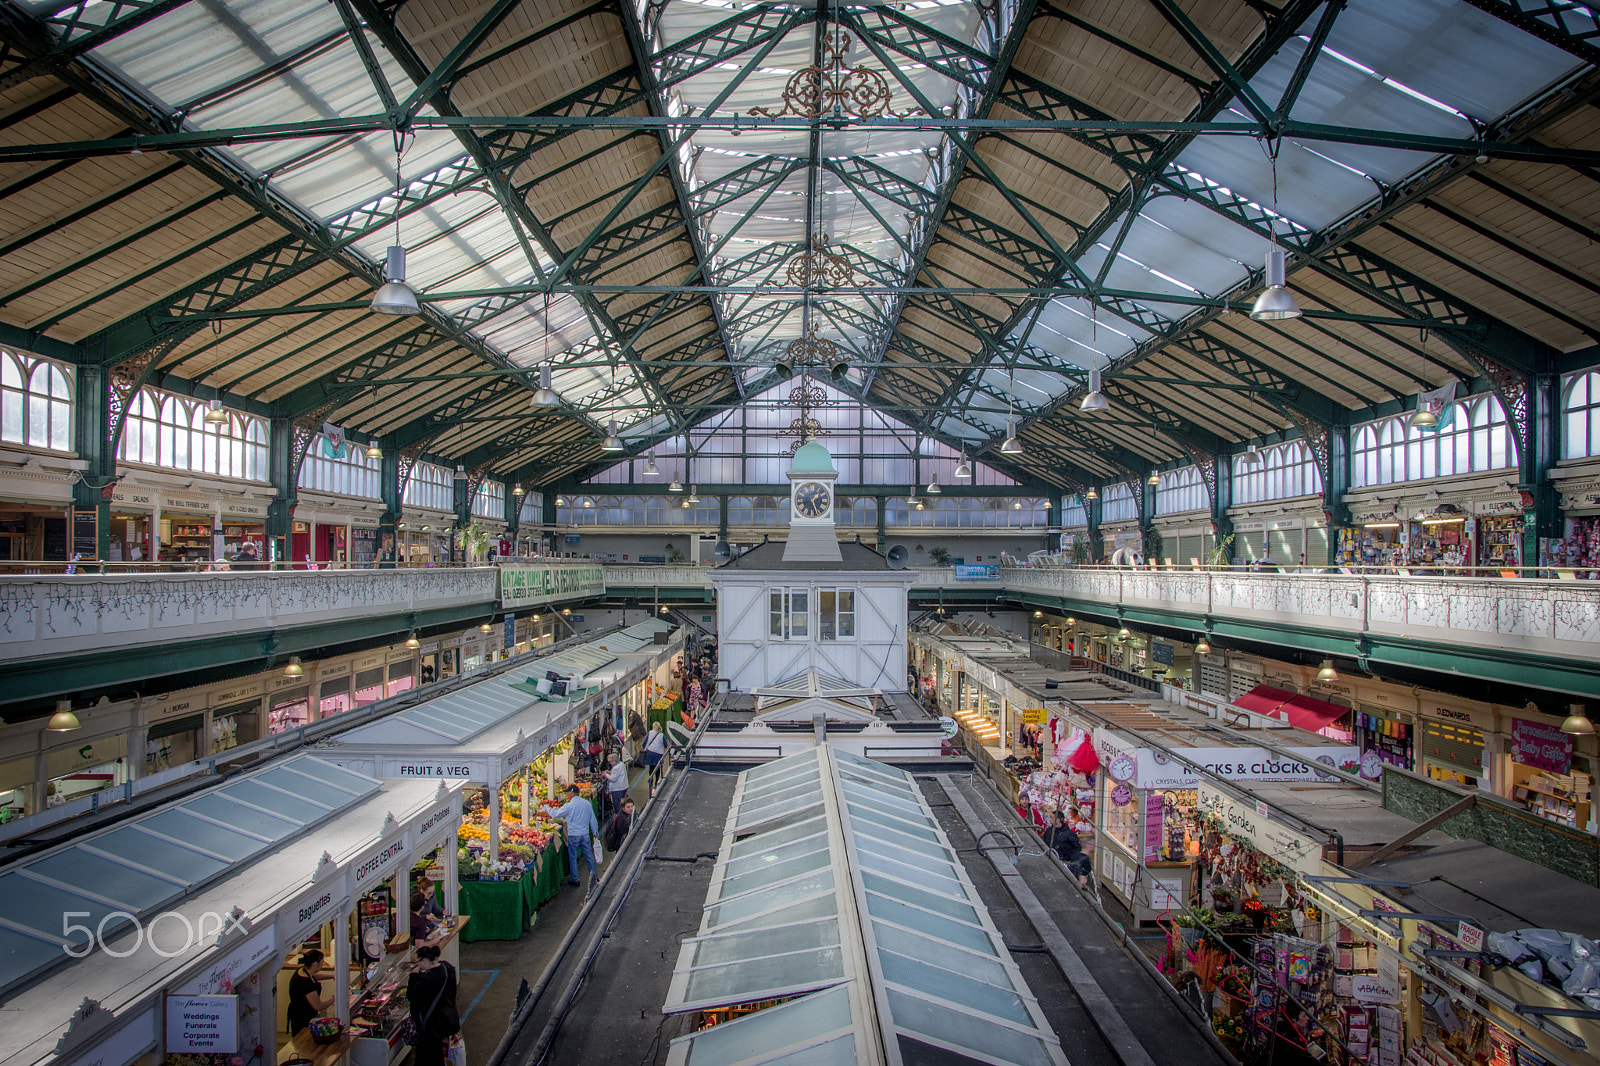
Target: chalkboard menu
(86,533)
(55,538)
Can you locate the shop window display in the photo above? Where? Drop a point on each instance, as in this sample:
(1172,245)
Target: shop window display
(290,710)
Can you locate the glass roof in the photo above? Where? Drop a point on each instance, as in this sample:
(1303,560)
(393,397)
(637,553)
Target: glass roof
(856,901)
(108,879)
(1426,67)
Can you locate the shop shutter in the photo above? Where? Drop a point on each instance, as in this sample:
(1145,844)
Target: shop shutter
(399,670)
(1317,546)
(177,725)
(1239,684)
(1189,547)
(1250,545)
(1286,545)
(369,678)
(1213,677)
(1208,544)
(1454,747)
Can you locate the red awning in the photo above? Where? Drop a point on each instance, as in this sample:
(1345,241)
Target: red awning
(1313,714)
(1264,699)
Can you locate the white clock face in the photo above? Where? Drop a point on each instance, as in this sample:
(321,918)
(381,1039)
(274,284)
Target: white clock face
(811,499)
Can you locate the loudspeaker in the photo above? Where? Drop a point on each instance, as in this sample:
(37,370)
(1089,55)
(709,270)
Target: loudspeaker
(898,557)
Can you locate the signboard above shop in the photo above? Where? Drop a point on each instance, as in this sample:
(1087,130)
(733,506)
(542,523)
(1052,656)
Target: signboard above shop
(527,586)
(1276,841)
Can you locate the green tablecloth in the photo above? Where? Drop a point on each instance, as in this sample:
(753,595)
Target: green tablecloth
(552,872)
(500,909)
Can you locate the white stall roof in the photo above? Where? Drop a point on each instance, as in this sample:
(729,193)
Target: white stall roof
(804,710)
(117,876)
(578,662)
(454,717)
(829,858)
(635,638)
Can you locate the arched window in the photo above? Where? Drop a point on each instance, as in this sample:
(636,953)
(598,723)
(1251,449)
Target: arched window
(1181,490)
(1581,403)
(1074,514)
(1117,503)
(1474,437)
(490,499)
(166,430)
(430,486)
(349,474)
(35,401)
(1280,472)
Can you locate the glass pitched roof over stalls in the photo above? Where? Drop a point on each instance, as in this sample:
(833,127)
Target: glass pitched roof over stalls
(836,892)
(108,880)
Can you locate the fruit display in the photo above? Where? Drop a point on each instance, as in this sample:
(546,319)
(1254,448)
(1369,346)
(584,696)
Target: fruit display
(519,848)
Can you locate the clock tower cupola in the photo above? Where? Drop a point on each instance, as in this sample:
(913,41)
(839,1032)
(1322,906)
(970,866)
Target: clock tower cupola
(811,532)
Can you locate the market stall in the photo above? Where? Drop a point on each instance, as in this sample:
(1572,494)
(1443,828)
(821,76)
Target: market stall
(509,739)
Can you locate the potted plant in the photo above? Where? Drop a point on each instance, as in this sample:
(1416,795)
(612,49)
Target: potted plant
(1223,551)
(1153,543)
(940,556)
(473,542)
(1080,550)
(674,555)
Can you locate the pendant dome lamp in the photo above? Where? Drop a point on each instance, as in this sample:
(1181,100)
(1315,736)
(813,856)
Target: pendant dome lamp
(546,395)
(373,451)
(650,467)
(64,721)
(1095,401)
(1276,303)
(1327,672)
(612,442)
(215,415)
(1577,723)
(963,468)
(933,488)
(1011,446)
(394,296)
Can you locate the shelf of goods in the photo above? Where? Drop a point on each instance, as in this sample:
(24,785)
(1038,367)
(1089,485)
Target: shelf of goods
(378,1014)
(502,897)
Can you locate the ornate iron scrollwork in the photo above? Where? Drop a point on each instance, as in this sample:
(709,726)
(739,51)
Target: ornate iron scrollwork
(837,90)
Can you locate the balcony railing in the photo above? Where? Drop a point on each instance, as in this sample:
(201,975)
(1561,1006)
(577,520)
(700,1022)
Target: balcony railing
(62,614)
(1557,617)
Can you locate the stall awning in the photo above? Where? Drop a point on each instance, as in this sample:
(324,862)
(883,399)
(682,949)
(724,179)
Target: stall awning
(1264,699)
(1308,712)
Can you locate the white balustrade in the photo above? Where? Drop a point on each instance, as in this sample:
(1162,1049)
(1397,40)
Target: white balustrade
(1530,615)
(44,615)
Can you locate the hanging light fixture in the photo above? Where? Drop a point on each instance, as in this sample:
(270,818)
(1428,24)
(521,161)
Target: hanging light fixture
(1011,446)
(545,395)
(215,415)
(293,668)
(1203,647)
(693,497)
(612,442)
(1038,614)
(962,468)
(1576,722)
(1276,302)
(485,628)
(373,451)
(1251,456)
(519,490)
(676,486)
(1094,401)
(412,642)
(1071,621)
(561,501)
(1424,418)
(64,721)
(394,296)
(933,486)
(1091,494)
(1327,672)
(839,371)
(650,467)
(1124,633)
(1016,505)
(1154,478)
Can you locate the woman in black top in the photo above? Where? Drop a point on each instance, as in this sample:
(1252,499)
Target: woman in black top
(305,992)
(431,994)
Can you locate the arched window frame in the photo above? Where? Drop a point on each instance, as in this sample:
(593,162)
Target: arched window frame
(36,401)
(1477,440)
(1181,490)
(166,430)
(1580,406)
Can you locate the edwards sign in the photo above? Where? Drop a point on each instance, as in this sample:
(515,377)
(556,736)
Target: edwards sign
(525,586)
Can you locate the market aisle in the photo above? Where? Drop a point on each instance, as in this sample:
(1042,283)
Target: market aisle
(492,970)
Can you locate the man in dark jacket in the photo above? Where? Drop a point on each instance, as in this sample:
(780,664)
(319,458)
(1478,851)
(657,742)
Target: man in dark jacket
(1063,839)
(616,830)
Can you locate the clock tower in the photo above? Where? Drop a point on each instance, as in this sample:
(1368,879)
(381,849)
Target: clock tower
(811,534)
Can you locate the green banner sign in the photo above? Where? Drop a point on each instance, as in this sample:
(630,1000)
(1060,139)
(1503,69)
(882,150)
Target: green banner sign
(524,586)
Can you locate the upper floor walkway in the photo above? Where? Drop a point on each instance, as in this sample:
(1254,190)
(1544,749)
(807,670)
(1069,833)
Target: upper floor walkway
(1534,631)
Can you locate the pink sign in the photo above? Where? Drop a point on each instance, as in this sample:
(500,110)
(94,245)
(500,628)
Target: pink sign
(1541,746)
(1154,830)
